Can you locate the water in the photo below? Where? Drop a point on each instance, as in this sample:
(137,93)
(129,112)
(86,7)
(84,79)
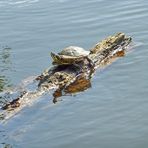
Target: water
(113,113)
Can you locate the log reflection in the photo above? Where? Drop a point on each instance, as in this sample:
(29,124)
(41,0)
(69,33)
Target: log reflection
(80,84)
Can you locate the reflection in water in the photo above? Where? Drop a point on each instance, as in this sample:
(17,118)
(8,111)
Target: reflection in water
(3,138)
(6,145)
(5,65)
(5,59)
(82,83)
(2,82)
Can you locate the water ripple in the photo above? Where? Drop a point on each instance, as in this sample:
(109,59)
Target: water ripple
(17,2)
(115,109)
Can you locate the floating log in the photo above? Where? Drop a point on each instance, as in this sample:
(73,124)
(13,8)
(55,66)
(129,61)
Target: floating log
(69,79)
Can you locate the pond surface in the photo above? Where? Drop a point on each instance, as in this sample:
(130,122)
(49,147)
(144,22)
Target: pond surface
(113,112)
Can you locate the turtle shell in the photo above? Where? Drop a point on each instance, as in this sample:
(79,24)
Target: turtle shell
(74,51)
(69,55)
(64,59)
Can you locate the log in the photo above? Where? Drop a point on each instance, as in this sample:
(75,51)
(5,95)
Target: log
(70,79)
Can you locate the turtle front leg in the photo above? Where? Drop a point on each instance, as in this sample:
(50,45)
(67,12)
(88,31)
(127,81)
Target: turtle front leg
(91,63)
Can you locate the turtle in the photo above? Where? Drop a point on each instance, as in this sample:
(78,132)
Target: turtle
(70,55)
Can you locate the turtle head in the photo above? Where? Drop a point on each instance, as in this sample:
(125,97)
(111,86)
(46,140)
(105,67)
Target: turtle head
(57,59)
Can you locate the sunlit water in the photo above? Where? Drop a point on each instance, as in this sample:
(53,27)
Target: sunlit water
(113,113)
